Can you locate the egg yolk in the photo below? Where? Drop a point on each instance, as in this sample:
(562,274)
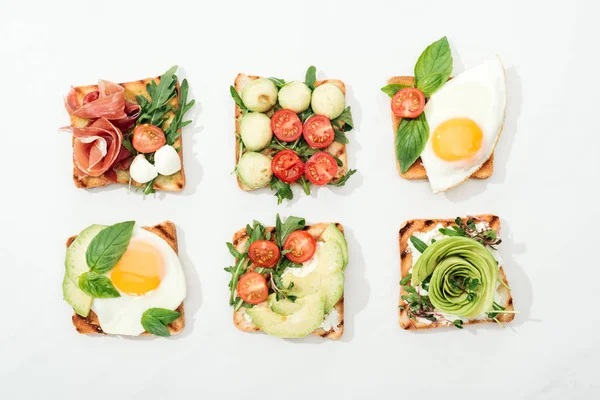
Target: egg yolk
(139,270)
(457,139)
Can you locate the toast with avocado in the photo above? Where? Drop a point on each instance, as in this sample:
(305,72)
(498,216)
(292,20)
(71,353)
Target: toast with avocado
(290,132)
(288,280)
(452,273)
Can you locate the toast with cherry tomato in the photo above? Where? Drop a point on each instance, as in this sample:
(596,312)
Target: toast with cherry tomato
(288,279)
(129,133)
(290,132)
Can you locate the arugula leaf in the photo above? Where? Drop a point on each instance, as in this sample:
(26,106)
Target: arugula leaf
(449,232)
(339,162)
(238,100)
(311,77)
(127,144)
(339,136)
(305,183)
(346,118)
(108,246)
(410,289)
(258,233)
(149,188)
(97,286)
(154,111)
(155,320)
(306,114)
(283,230)
(282,189)
(393,88)
(236,254)
(173,131)
(342,181)
(418,243)
(411,138)
(278,82)
(433,67)
(406,279)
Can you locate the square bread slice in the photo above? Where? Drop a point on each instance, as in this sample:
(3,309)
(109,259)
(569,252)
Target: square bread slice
(316,230)
(91,325)
(417,171)
(171,183)
(424,225)
(336,149)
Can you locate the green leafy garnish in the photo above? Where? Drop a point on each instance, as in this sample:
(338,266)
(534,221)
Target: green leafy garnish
(97,286)
(346,118)
(283,230)
(306,114)
(305,184)
(458,323)
(155,320)
(433,67)
(108,246)
(238,100)
(339,135)
(282,189)
(411,138)
(405,280)
(174,129)
(393,88)
(342,181)
(311,77)
(155,111)
(418,243)
(487,236)
(278,82)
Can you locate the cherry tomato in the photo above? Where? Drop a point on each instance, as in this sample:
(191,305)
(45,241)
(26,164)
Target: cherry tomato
(286,125)
(320,168)
(318,132)
(91,96)
(252,288)
(148,138)
(302,245)
(264,253)
(287,166)
(408,103)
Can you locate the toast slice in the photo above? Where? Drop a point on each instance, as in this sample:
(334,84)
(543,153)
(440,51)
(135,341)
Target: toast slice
(91,325)
(424,225)
(336,149)
(171,183)
(417,171)
(316,230)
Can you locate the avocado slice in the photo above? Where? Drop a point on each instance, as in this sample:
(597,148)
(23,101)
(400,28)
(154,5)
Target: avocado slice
(333,289)
(75,265)
(333,234)
(296,325)
(284,306)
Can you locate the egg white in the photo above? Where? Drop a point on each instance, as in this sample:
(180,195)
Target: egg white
(478,94)
(122,315)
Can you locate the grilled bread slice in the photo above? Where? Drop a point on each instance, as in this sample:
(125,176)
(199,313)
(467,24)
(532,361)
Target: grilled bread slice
(417,171)
(90,324)
(336,149)
(171,183)
(316,230)
(424,225)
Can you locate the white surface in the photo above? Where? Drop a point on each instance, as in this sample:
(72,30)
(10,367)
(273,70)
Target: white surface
(549,210)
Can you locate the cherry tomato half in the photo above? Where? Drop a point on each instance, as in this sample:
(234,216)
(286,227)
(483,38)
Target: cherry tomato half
(302,246)
(148,138)
(264,253)
(320,168)
(287,166)
(286,125)
(408,103)
(318,132)
(252,288)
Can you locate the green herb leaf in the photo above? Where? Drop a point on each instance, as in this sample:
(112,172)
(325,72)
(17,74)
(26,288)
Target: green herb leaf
(418,243)
(174,130)
(411,139)
(149,188)
(283,230)
(305,183)
(458,323)
(346,118)
(236,254)
(342,181)
(473,284)
(258,233)
(339,135)
(155,320)
(449,232)
(410,289)
(154,111)
(311,77)
(405,280)
(306,114)
(108,246)
(238,100)
(97,286)
(278,82)
(127,144)
(393,88)
(282,189)
(433,67)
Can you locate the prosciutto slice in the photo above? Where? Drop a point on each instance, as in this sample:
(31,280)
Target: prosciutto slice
(132,112)
(97,147)
(110,103)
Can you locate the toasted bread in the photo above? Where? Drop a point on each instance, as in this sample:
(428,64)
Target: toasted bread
(90,324)
(171,183)
(424,225)
(336,149)
(316,230)
(417,171)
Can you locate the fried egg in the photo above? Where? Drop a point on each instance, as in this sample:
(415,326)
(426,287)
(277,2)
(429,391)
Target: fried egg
(148,275)
(465,118)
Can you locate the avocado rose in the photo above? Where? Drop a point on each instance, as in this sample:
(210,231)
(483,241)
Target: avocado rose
(453,260)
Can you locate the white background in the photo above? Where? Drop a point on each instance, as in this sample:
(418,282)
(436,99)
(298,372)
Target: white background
(544,188)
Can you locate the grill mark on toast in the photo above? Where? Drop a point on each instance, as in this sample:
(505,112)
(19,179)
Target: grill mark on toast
(428,222)
(493,220)
(165,233)
(406,227)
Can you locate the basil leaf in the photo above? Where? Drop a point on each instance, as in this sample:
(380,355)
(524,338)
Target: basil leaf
(238,100)
(346,118)
(433,67)
(155,320)
(236,254)
(343,179)
(393,88)
(97,286)
(283,230)
(339,135)
(418,243)
(278,82)
(282,189)
(108,246)
(311,77)
(411,139)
